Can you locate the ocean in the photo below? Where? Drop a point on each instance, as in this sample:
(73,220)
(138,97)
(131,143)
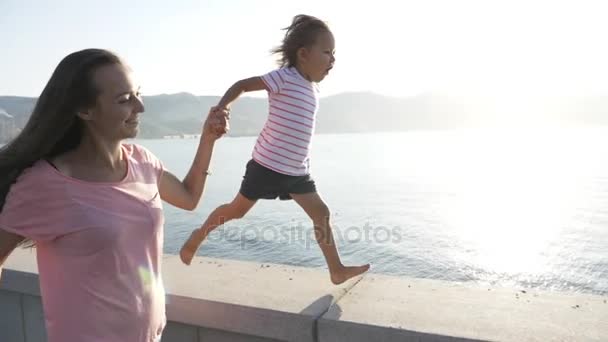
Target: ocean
(504,207)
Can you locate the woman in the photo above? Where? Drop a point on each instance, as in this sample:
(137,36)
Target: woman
(92,203)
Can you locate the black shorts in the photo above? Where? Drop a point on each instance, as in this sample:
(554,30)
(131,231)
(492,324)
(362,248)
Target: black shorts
(260,182)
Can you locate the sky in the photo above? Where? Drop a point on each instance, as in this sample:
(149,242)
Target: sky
(394,48)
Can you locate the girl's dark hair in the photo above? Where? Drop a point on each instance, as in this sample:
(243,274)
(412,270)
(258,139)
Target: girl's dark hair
(302,32)
(54,127)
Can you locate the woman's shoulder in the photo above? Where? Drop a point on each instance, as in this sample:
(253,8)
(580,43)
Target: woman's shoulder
(138,152)
(37,178)
(142,155)
(38,172)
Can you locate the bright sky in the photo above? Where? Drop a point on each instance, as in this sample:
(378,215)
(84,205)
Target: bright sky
(397,48)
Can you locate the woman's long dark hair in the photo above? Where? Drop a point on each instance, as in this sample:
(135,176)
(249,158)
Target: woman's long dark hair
(54,127)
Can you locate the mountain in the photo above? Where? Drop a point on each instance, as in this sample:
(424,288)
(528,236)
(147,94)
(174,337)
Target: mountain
(183,113)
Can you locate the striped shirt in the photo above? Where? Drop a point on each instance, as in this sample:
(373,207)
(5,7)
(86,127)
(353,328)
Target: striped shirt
(284,143)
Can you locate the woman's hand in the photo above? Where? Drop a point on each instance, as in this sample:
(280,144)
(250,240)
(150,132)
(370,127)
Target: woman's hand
(217,123)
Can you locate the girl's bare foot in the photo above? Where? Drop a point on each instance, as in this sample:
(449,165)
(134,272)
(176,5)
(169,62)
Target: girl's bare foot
(189,248)
(347,272)
(186,254)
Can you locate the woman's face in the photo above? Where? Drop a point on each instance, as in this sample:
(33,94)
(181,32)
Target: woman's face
(115,115)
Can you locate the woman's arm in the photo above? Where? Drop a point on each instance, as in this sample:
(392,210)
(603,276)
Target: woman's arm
(186,193)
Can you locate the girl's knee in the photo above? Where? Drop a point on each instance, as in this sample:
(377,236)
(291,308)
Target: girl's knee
(237,211)
(239,214)
(322,216)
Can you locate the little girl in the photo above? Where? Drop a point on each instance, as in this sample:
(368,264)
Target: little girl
(280,163)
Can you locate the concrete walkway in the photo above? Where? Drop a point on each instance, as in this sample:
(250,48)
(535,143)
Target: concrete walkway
(226,300)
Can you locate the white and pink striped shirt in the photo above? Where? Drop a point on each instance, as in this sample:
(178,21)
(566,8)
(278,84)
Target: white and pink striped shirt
(284,143)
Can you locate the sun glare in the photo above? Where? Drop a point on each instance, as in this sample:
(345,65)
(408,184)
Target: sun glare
(505,206)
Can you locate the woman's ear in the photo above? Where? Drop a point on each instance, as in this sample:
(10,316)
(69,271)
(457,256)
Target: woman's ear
(85,114)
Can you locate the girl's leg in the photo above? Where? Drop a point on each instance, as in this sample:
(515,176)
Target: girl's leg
(318,211)
(222,214)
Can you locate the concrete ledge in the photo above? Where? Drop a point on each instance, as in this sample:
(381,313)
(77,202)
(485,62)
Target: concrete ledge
(21,282)
(11,317)
(270,301)
(398,309)
(20,273)
(225,300)
(269,325)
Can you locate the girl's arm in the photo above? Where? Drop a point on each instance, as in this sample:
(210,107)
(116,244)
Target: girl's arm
(187,193)
(240,87)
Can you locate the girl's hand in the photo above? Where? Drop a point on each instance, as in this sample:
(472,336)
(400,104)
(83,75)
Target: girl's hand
(217,123)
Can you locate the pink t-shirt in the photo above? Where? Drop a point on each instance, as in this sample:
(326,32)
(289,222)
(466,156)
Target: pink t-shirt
(99,249)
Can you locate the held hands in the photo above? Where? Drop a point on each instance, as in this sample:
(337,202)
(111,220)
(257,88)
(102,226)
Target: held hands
(217,123)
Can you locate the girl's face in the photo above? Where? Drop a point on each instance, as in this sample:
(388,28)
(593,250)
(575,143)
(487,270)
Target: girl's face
(115,115)
(316,60)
